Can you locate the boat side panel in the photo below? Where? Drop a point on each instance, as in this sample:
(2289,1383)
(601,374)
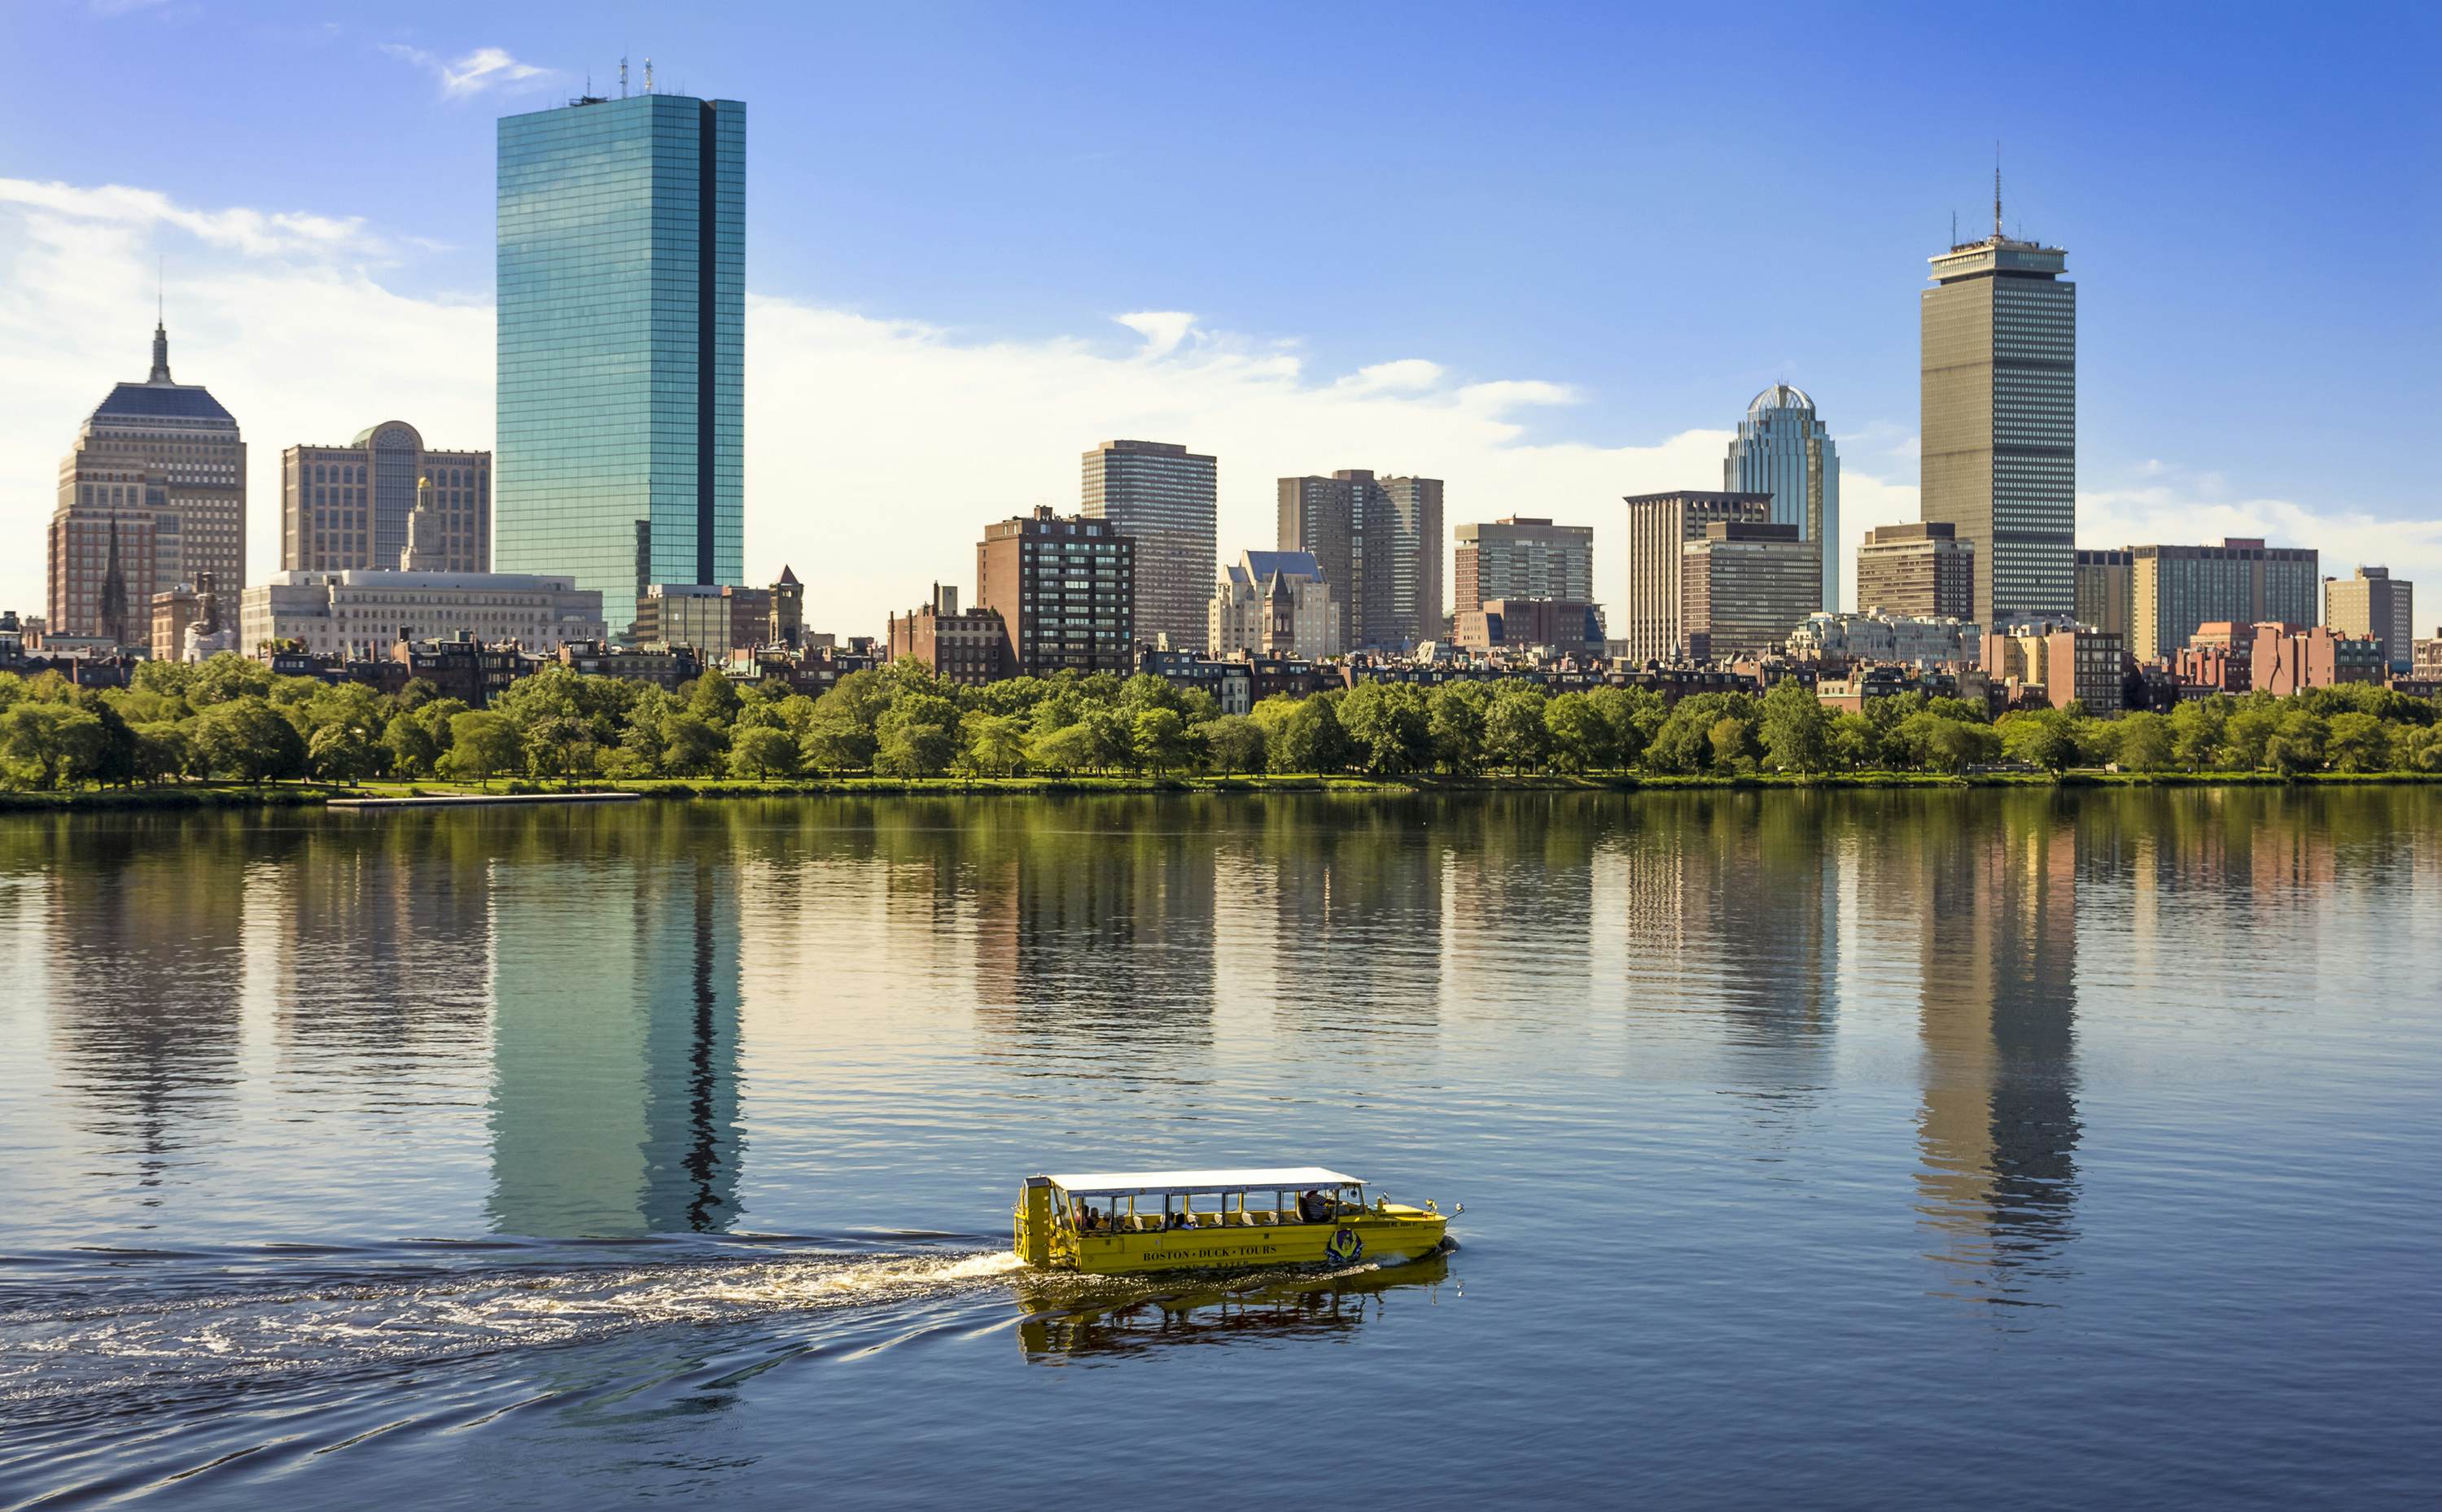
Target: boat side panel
(1263,1245)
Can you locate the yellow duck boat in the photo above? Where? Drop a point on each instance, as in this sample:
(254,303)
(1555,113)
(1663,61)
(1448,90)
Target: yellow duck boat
(1118,1223)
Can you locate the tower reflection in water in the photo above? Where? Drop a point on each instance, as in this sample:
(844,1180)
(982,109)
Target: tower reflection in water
(615,1046)
(1999,1125)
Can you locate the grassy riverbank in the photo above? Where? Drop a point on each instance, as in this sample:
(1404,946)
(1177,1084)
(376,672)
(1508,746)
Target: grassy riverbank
(187,795)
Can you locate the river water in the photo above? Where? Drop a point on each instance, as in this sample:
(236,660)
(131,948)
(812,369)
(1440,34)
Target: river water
(1843,1150)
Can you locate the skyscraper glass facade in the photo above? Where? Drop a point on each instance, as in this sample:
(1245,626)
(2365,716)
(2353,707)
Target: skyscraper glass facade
(1783,450)
(622,341)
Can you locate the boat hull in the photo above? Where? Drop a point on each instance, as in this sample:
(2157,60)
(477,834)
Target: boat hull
(1377,1238)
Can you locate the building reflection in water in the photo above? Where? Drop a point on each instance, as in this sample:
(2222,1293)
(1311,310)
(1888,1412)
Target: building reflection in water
(615,1042)
(1093,929)
(1056,1331)
(1998,1126)
(146,986)
(1356,896)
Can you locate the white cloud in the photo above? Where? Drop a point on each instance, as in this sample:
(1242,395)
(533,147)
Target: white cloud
(1163,330)
(483,68)
(877,449)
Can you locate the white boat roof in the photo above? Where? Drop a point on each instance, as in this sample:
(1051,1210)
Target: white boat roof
(1281,1178)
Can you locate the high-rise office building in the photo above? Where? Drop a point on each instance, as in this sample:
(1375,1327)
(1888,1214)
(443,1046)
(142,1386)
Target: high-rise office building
(1783,450)
(1999,420)
(2372,605)
(1922,569)
(2174,589)
(344,507)
(1066,591)
(1659,528)
(2105,585)
(1745,586)
(1378,542)
(1522,558)
(152,495)
(622,325)
(1161,497)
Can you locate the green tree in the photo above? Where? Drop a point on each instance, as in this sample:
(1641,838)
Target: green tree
(1454,715)
(1856,742)
(713,699)
(45,742)
(1388,726)
(762,752)
(412,746)
(1796,728)
(2196,732)
(1635,715)
(1302,734)
(1733,743)
(1233,743)
(1581,738)
(835,740)
(916,736)
(690,746)
(1062,748)
(225,675)
(2045,737)
(2146,742)
(1161,741)
(246,739)
(556,745)
(2299,743)
(995,742)
(339,753)
(481,745)
(2360,742)
(1513,733)
(161,752)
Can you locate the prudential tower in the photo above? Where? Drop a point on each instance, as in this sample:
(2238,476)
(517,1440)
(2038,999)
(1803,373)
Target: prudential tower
(1999,420)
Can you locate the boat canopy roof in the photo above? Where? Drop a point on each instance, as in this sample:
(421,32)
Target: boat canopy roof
(1281,1178)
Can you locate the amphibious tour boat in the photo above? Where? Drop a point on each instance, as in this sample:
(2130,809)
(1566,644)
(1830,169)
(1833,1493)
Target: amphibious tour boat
(1116,1222)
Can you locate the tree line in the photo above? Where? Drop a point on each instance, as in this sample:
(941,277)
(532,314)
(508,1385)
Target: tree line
(229,718)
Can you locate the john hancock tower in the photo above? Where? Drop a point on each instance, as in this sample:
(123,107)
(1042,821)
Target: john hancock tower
(622,337)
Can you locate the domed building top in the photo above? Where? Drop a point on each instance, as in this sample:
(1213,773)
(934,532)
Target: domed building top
(1780,396)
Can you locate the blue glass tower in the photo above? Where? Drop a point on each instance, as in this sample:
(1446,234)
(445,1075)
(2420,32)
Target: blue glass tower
(621,340)
(1783,450)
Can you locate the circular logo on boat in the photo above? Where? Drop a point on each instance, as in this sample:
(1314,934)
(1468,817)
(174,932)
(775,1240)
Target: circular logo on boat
(1344,1247)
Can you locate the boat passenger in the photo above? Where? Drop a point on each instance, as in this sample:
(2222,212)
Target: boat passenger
(1311,1207)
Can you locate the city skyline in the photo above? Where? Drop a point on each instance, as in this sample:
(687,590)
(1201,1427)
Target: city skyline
(1562,430)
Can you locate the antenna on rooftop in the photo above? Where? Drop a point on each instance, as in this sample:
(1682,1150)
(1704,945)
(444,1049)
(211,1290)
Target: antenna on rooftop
(648,76)
(623,76)
(1996,190)
(1954,228)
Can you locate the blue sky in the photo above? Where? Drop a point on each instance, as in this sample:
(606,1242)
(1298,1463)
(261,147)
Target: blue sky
(1651,213)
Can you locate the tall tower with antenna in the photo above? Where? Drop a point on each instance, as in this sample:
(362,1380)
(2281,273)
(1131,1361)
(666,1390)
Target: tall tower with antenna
(1999,418)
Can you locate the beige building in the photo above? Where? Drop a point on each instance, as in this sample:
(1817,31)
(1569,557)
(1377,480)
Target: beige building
(152,494)
(1274,604)
(1160,495)
(1517,558)
(1745,586)
(1923,570)
(2105,592)
(2174,589)
(1378,542)
(343,507)
(364,612)
(2372,605)
(1999,420)
(1651,628)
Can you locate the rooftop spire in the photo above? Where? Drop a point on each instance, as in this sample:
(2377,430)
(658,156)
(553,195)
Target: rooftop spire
(160,350)
(1996,191)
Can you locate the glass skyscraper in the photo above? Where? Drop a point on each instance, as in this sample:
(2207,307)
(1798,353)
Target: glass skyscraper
(622,337)
(1783,450)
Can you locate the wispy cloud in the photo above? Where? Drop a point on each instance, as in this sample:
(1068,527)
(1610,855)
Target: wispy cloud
(254,232)
(483,68)
(1163,330)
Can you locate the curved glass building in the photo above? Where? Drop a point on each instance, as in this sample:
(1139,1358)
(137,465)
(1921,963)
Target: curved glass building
(1783,450)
